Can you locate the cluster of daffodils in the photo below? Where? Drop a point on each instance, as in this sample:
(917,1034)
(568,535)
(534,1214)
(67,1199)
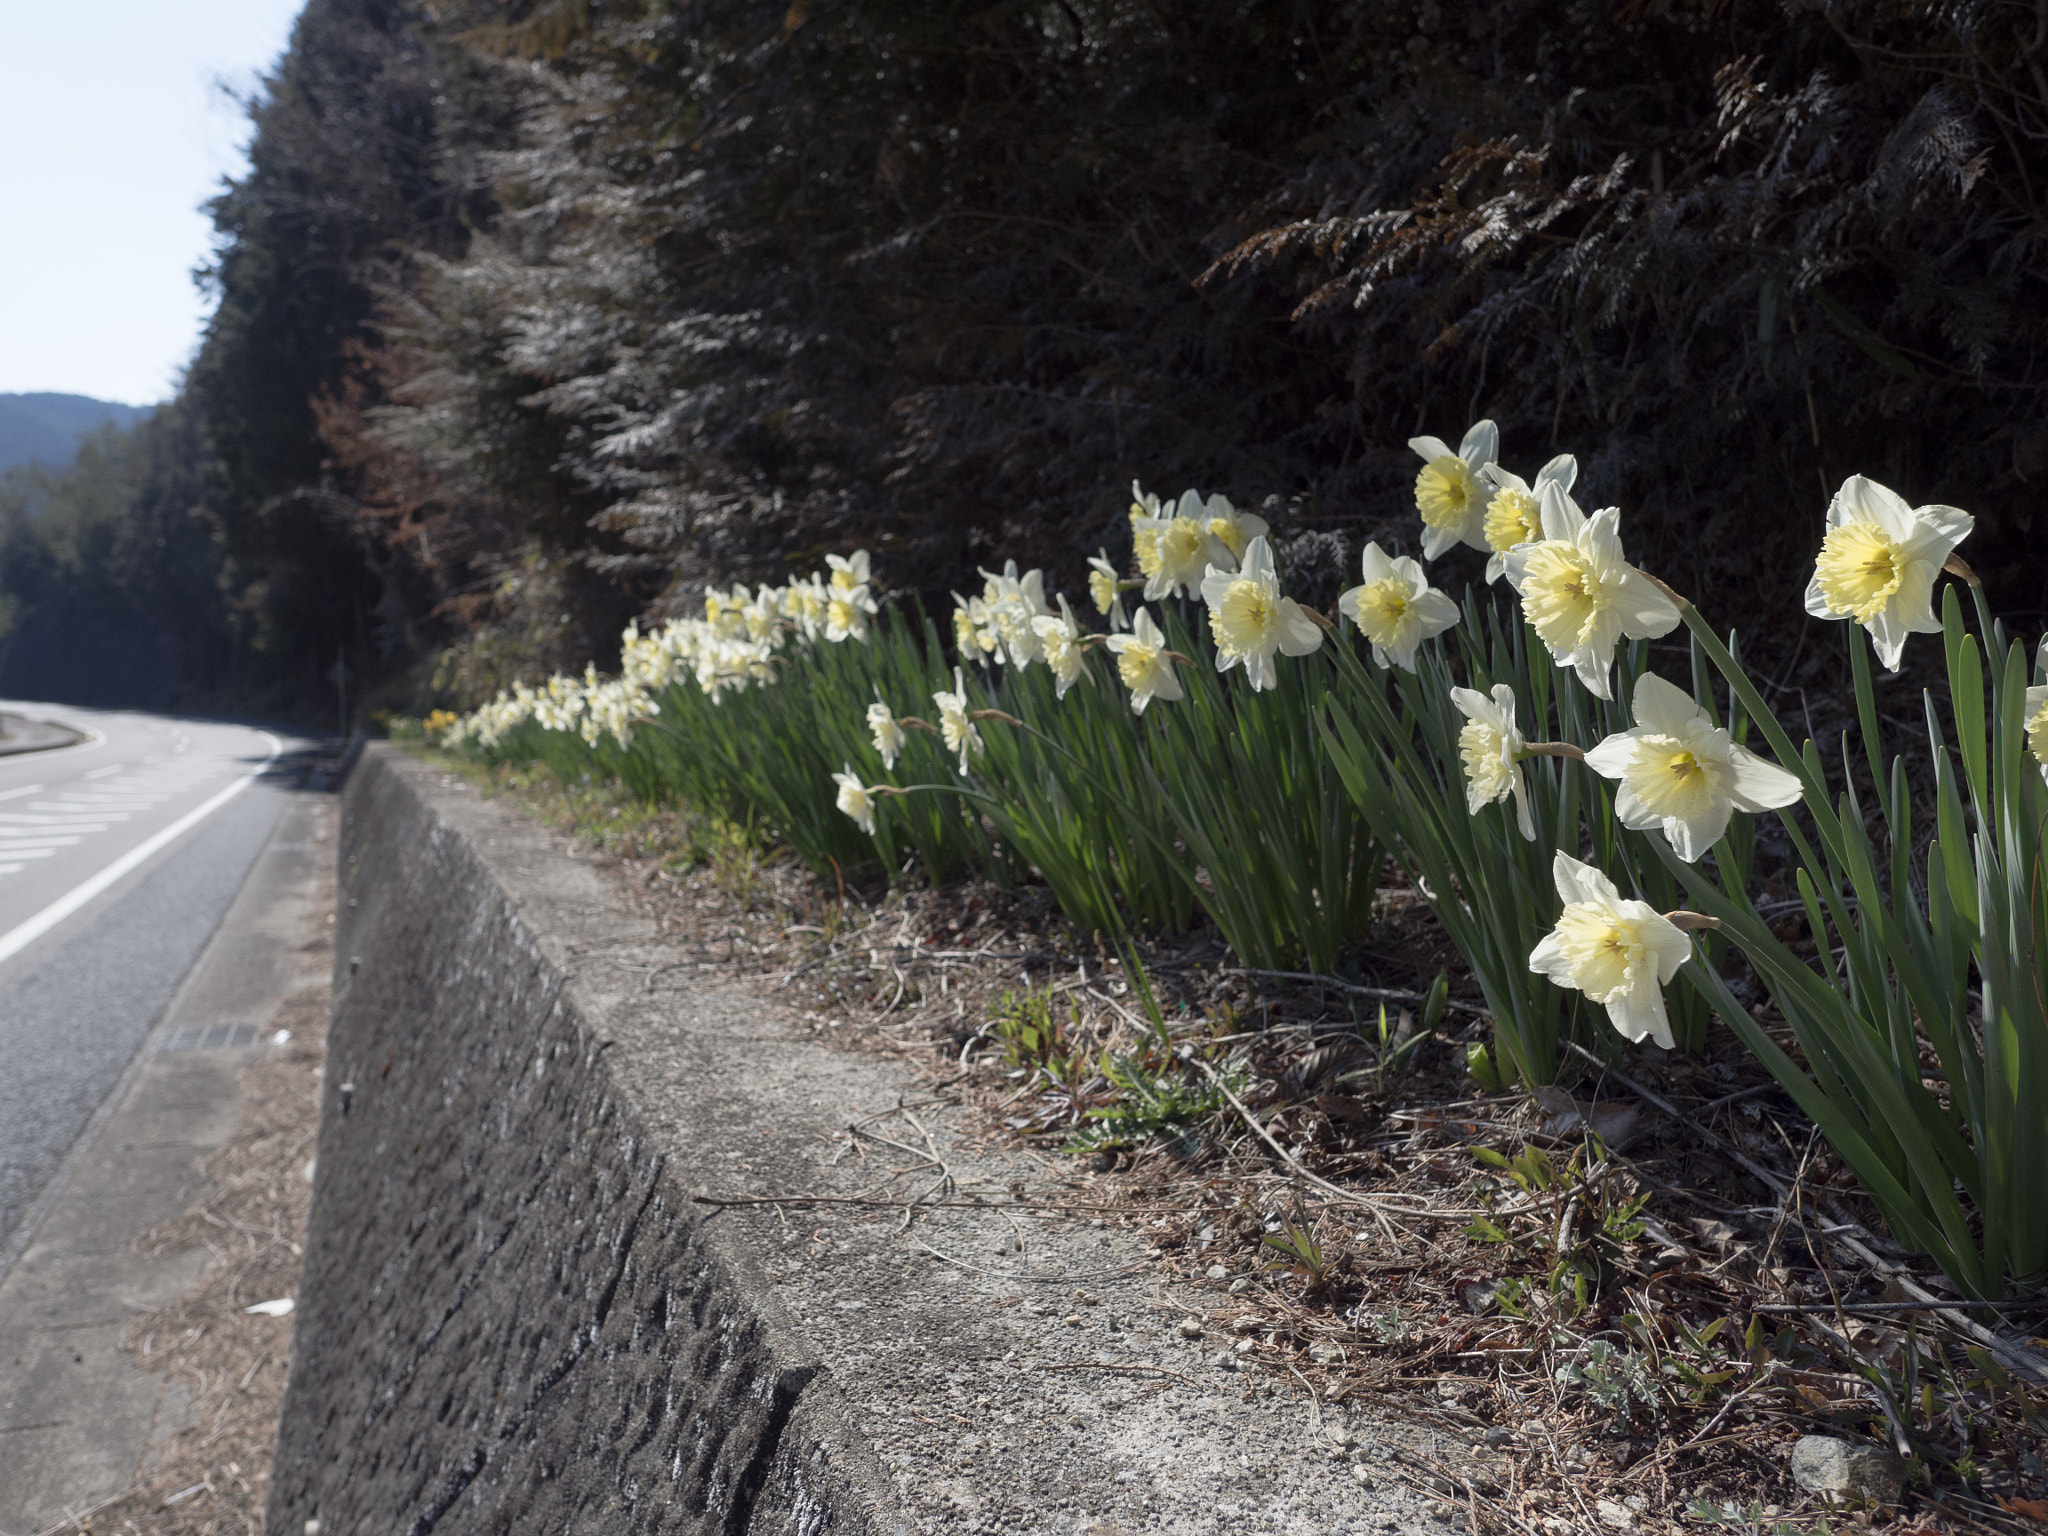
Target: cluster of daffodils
(736,645)
(1676,772)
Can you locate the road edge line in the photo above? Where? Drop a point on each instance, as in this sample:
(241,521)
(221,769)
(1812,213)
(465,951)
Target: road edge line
(19,937)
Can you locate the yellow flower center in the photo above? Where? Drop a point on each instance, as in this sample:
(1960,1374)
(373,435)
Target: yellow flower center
(1384,608)
(1671,780)
(1859,569)
(1602,951)
(843,581)
(2037,735)
(1180,543)
(1229,535)
(1102,587)
(1246,618)
(1512,518)
(842,613)
(1479,749)
(963,630)
(1445,491)
(1145,541)
(1135,664)
(1561,594)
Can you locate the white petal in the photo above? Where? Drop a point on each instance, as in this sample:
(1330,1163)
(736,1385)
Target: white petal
(1938,530)
(1408,569)
(1564,470)
(1879,504)
(1670,944)
(1258,559)
(1759,785)
(1663,706)
(1645,612)
(1562,518)
(1578,881)
(1611,758)
(1299,634)
(1431,448)
(1214,585)
(1913,604)
(1521,791)
(1888,635)
(1472,705)
(1547,959)
(1594,665)
(1481,444)
(1435,612)
(1373,562)
(1690,839)
(1639,1014)
(1436,540)
(1496,567)
(1261,671)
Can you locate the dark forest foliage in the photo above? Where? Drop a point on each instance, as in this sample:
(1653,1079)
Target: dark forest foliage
(535,316)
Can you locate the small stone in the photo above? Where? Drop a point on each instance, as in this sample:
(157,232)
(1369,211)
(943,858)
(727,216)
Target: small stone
(1073,1319)
(1218,1272)
(1240,1285)
(1224,1361)
(1843,1469)
(1326,1352)
(313,1526)
(1359,1471)
(1190,1328)
(1613,1514)
(1244,1346)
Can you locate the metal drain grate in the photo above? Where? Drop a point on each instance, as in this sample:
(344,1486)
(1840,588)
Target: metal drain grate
(209,1037)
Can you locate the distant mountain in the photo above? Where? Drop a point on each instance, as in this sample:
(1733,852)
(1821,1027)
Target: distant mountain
(47,427)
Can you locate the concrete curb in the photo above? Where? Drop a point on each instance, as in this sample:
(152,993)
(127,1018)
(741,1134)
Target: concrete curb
(514,1318)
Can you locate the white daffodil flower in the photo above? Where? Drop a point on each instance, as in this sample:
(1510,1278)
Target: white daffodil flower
(1514,511)
(2037,725)
(954,725)
(856,800)
(1619,953)
(1012,602)
(889,737)
(1251,620)
(1176,547)
(1397,609)
(1105,582)
(1233,529)
(1060,639)
(849,571)
(1581,595)
(846,612)
(1490,747)
(1144,663)
(1680,771)
(1449,492)
(974,628)
(1878,562)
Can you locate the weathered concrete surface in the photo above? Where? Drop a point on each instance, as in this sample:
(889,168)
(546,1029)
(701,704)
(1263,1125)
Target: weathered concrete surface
(513,1318)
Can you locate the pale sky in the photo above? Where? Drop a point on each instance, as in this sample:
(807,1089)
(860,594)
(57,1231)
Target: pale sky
(113,131)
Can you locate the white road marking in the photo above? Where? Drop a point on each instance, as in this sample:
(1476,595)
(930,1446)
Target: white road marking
(18,938)
(16,794)
(101,773)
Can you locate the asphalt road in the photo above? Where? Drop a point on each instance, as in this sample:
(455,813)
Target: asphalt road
(118,858)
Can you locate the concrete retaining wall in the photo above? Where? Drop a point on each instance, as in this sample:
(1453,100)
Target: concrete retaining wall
(510,1319)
